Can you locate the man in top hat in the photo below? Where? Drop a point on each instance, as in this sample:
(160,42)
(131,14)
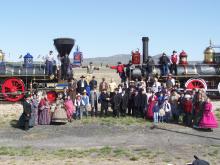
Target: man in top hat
(117,100)
(174,62)
(164,61)
(81,85)
(49,63)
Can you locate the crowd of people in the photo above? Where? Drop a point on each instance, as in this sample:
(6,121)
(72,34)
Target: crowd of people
(159,102)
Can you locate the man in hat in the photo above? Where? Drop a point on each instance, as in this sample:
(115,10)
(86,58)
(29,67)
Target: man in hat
(120,71)
(81,85)
(174,62)
(104,100)
(72,86)
(117,100)
(164,61)
(124,102)
(49,63)
(93,83)
(93,98)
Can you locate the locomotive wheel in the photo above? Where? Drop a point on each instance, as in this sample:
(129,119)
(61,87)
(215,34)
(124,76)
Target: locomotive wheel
(196,84)
(51,96)
(13,89)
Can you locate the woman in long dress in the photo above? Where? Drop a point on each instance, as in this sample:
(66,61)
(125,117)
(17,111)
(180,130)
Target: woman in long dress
(70,109)
(44,111)
(208,120)
(152,102)
(34,110)
(59,115)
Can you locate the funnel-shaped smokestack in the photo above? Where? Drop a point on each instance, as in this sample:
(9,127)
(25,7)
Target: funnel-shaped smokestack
(145,48)
(64,45)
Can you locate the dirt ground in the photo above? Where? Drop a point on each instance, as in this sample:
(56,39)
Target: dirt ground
(130,141)
(104,141)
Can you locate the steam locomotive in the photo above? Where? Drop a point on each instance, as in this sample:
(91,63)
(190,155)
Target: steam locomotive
(190,75)
(18,78)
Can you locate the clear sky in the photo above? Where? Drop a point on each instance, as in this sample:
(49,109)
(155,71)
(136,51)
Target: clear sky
(109,27)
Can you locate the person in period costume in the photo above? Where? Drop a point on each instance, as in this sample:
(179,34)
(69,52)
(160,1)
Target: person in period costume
(174,62)
(156,85)
(208,120)
(112,86)
(93,98)
(44,117)
(199,108)
(156,110)
(104,99)
(70,108)
(90,70)
(81,85)
(93,83)
(120,70)
(188,106)
(85,108)
(170,82)
(59,115)
(78,104)
(180,103)
(137,102)
(26,115)
(72,86)
(49,63)
(151,101)
(103,85)
(65,64)
(34,110)
(65,93)
(117,100)
(174,106)
(131,94)
(164,61)
(167,108)
(143,107)
(124,102)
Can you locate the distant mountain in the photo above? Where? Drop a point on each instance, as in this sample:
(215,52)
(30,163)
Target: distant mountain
(113,60)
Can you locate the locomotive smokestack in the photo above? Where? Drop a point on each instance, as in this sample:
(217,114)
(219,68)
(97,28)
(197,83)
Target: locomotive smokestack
(145,48)
(64,45)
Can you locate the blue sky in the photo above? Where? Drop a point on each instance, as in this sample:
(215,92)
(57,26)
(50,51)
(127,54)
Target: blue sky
(108,27)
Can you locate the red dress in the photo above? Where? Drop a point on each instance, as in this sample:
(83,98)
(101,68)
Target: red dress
(152,101)
(208,120)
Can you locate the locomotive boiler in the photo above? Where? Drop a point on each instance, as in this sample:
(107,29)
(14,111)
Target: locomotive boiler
(17,78)
(190,75)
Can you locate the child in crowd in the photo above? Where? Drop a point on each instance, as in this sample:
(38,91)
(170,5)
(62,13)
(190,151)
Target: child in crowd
(78,103)
(156,109)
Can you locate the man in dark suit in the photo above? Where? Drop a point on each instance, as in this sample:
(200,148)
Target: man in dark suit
(81,85)
(93,83)
(124,102)
(117,100)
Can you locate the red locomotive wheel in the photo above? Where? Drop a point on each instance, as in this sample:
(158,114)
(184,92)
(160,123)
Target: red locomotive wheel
(196,84)
(51,96)
(13,89)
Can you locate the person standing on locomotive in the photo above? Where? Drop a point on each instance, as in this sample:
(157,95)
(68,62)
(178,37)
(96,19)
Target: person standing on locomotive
(174,62)
(65,67)
(164,61)
(120,71)
(49,63)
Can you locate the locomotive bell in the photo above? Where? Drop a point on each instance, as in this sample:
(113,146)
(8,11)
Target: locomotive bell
(209,55)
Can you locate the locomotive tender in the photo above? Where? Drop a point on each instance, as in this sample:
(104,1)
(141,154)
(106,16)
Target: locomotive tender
(190,75)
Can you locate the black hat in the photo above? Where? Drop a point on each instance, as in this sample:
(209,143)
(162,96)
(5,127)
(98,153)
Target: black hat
(174,51)
(82,76)
(164,54)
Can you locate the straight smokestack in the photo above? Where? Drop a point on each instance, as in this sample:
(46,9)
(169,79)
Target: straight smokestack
(145,48)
